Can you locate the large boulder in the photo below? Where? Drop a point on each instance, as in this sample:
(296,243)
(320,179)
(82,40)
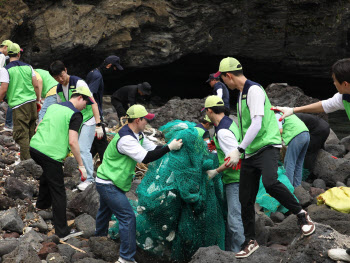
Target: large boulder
(87,224)
(10,220)
(87,202)
(28,168)
(104,248)
(24,253)
(16,188)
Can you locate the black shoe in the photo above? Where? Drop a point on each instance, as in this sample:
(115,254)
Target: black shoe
(306,224)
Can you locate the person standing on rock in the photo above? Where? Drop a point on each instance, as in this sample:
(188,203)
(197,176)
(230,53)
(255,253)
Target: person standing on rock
(56,135)
(127,96)
(95,81)
(260,143)
(115,174)
(20,86)
(220,90)
(225,138)
(68,84)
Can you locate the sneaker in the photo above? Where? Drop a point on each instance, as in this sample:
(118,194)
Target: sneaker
(339,254)
(306,224)
(122,260)
(73,233)
(247,249)
(82,186)
(7,129)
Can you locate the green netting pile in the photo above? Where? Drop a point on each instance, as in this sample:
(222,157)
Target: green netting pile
(179,210)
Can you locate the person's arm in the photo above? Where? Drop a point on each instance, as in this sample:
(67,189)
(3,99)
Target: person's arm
(94,106)
(2,60)
(280,127)
(74,146)
(36,86)
(40,85)
(132,92)
(3,90)
(219,93)
(4,80)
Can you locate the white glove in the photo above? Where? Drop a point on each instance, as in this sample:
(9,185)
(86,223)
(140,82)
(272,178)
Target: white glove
(99,132)
(285,110)
(175,145)
(83,172)
(232,158)
(211,174)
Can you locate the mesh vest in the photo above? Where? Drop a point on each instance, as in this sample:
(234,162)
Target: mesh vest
(202,132)
(20,89)
(230,176)
(52,136)
(346,103)
(87,112)
(116,167)
(48,81)
(269,133)
(292,126)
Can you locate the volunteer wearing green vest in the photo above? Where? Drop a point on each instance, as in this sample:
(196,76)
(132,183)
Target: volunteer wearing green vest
(47,86)
(56,135)
(296,136)
(225,138)
(260,143)
(91,117)
(19,84)
(115,174)
(203,128)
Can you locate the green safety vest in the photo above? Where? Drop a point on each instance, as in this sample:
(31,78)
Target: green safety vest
(87,112)
(48,81)
(116,167)
(346,103)
(269,133)
(52,136)
(292,126)
(202,132)
(230,176)
(20,89)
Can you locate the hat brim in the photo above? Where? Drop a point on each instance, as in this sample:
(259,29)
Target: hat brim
(149,116)
(217,74)
(89,101)
(203,109)
(209,80)
(118,66)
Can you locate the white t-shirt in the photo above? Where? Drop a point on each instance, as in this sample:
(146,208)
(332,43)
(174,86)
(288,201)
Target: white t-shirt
(80,83)
(333,104)
(2,60)
(227,141)
(255,101)
(219,93)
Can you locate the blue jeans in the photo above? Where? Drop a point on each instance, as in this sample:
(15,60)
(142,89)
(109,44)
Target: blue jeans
(47,102)
(86,137)
(113,200)
(294,159)
(234,219)
(9,121)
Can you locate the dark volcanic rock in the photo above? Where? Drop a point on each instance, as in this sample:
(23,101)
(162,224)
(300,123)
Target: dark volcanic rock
(8,245)
(319,183)
(285,232)
(87,224)
(104,248)
(70,166)
(10,220)
(303,196)
(28,168)
(86,202)
(16,188)
(24,253)
(336,150)
(6,202)
(48,247)
(346,142)
(55,258)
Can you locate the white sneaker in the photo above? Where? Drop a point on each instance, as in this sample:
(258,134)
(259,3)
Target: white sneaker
(339,254)
(7,129)
(73,233)
(82,186)
(122,260)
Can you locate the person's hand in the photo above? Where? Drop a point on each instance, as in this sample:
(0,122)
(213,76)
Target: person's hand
(285,110)
(99,132)
(238,165)
(83,173)
(211,146)
(211,174)
(38,106)
(232,158)
(175,145)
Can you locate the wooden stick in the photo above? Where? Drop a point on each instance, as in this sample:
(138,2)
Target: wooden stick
(78,249)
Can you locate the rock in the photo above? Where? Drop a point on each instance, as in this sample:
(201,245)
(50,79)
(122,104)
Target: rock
(346,142)
(303,196)
(337,220)
(40,224)
(277,217)
(65,251)
(267,220)
(11,235)
(16,188)
(78,256)
(112,123)
(7,246)
(6,202)
(261,231)
(306,185)
(53,238)
(24,253)
(87,201)
(319,183)
(28,168)
(336,150)
(45,214)
(90,260)
(332,138)
(34,239)
(55,258)
(87,224)
(10,220)
(340,184)
(348,183)
(279,247)
(314,192)
(104,248)
(48,247)
(347,156)
(70,167)
(284,233)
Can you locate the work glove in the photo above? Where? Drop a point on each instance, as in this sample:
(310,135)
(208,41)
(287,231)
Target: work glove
(238,166)
(83,173)
(38,106)
(211,174)
(99,132)
(285,110)
(232,158)
(175,145)
(211,146)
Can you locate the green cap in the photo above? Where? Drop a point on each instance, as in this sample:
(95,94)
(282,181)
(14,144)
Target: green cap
(213,101)
(139,111)
(6,42)
(13,48)
(207,118)
(228,64)
(83,90)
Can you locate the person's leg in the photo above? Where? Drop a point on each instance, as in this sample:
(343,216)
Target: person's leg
(234,219)
(47,102)
(303,143)
(104,213)
(86,137)
(33,118)
(9,121)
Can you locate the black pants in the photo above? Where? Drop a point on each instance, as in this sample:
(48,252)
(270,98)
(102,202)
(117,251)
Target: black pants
(52,191)
(263,164)
(99,146)
(119,107)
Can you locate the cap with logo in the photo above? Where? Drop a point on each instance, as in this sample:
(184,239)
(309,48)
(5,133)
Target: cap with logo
(6,43)
(211,77)
(139,111)
(83,90)
(228,64)
(13,49)
(115,61)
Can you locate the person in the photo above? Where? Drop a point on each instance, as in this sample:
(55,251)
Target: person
(339,254)
(203,128)
(260,143)
(114,177)
(19,84)
(127,96)
(220,90)
(225,138)
(319,131)
(296,136)
(96,84)
(59,130)
(47,86)
(91,118)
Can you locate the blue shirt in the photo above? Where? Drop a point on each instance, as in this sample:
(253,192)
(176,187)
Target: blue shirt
(95,81)
(225,94)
